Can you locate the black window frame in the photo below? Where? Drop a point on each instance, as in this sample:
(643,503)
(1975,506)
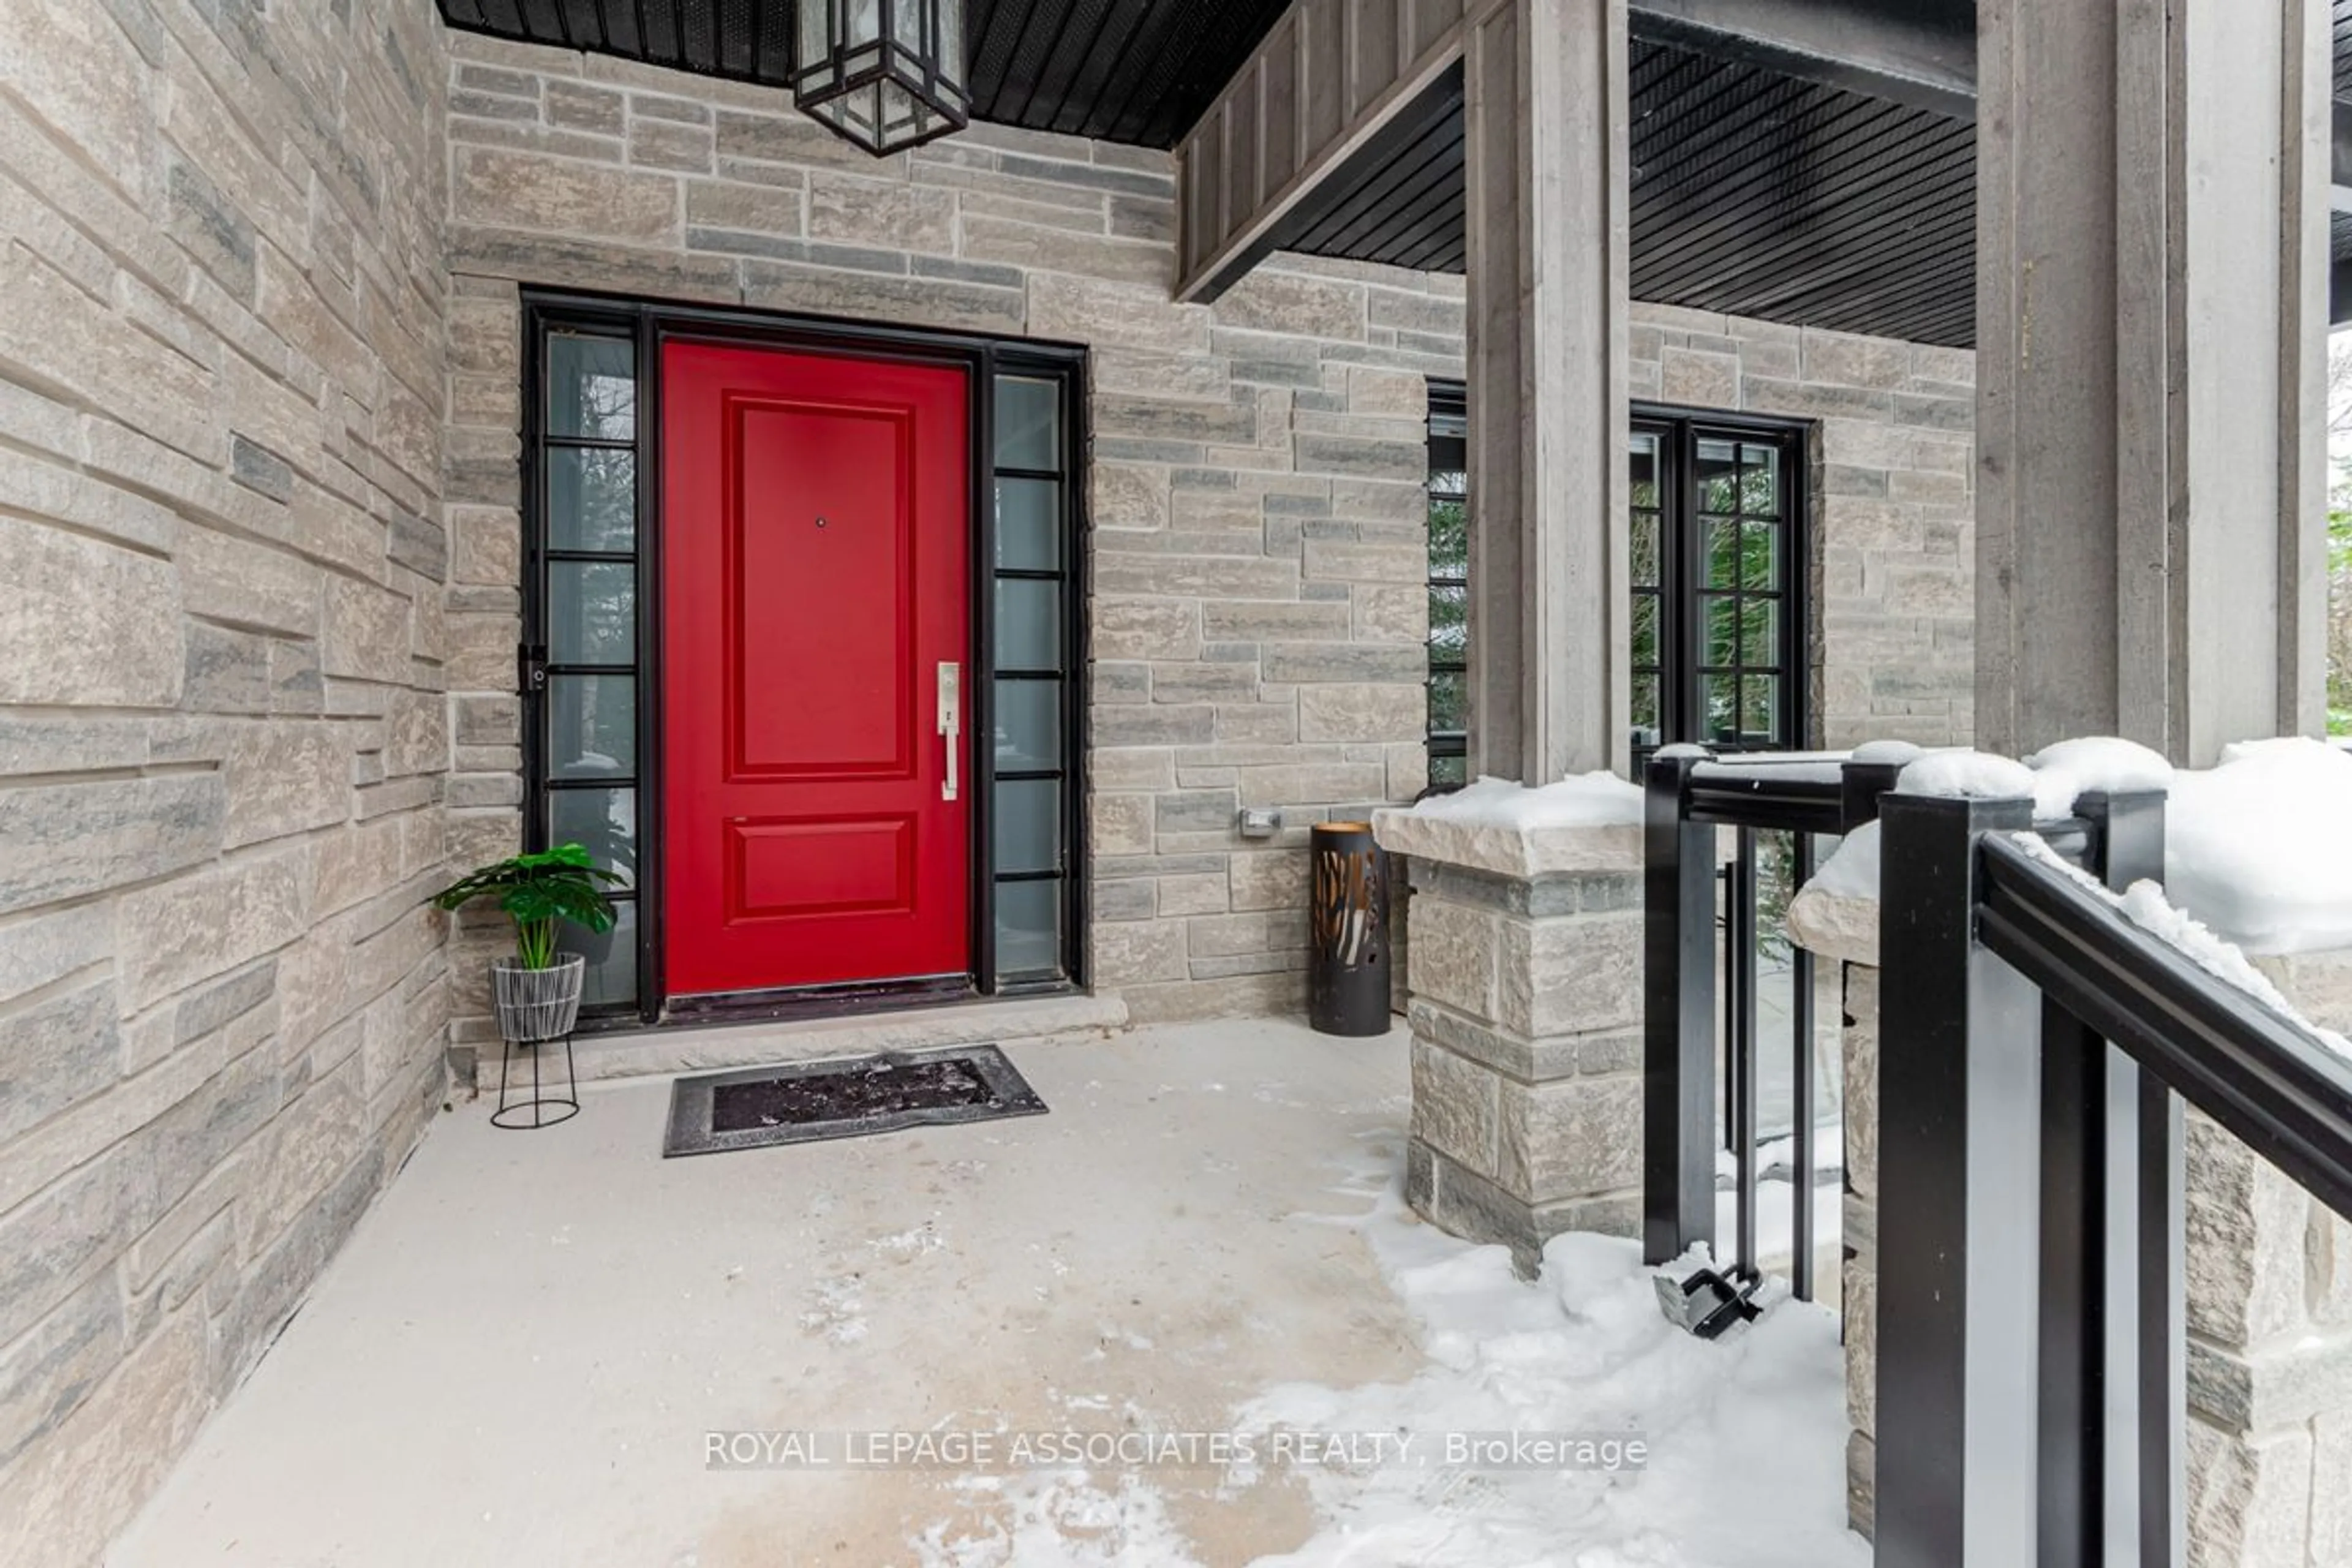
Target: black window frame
(651,325)
(1682,589)
(1449,456)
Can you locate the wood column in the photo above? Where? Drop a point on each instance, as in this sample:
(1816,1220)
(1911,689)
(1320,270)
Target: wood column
(1547,152)
(2151,328)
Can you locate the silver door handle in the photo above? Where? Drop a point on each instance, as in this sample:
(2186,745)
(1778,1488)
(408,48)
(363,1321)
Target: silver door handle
(950,721)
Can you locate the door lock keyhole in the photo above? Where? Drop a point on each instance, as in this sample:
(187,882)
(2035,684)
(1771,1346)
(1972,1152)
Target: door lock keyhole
(820,522)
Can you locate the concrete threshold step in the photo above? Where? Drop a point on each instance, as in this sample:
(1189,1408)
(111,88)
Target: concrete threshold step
(660,1052)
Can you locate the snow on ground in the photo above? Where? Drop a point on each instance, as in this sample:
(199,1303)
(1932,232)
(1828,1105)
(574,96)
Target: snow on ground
(1597,799)
(1745,1437)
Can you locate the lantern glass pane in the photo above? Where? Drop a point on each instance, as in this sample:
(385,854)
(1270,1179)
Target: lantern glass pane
(906,23)
(864,21)
(816,28)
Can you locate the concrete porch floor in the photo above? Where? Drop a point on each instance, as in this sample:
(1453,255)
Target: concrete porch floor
(516,1359)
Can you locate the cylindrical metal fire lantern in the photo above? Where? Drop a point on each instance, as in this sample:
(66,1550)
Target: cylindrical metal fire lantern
(1347,940)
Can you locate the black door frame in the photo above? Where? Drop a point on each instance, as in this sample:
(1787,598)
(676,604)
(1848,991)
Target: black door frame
(650,326)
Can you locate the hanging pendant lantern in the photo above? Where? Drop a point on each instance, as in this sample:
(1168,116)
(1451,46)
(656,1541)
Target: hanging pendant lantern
(886,74)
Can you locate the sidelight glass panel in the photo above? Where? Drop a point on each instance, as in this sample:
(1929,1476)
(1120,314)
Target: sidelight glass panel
(601,821)
(1028,525)
(592,499)
(1028,927)
(1028,624)
(1449,536)
(1449,705)
(612,956)
(592,387)
(1028,423)
(592,612)
(1449,624)
(591,726)
(1721,705)
(1028,825)
(1028,725)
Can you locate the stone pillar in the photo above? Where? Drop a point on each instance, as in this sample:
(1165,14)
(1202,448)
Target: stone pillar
(1547,171)
(2151,328)
(2270,1337)
(1844,931)
(1526,983)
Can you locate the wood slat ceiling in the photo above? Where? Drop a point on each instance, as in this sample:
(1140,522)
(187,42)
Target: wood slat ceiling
(1137,71)
(1753,193)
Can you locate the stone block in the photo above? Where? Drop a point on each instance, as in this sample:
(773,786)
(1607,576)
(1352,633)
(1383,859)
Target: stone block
(1271,302)
(1270,879)
(366,633)
(60,1051)
(1451,955)
(1144,628)
(509,189)
(1579,973)
(202,925)
(892,214)
(2244,1233)
(1119,823)
(284,778)
(69,839)
(1367,712)
(1129,954)
(1458,1108)
(2248,1503)
(1080,310)
(1572,1138)
(86,624)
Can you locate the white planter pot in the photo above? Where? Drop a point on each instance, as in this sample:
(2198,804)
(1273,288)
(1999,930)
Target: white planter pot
(536,1005)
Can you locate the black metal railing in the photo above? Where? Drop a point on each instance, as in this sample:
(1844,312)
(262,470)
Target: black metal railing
(1692,797)
(2036,1048)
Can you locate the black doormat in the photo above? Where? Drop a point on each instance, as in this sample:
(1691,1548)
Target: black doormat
(807,1101)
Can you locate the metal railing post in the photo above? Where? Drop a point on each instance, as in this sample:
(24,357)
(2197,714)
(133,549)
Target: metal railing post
(1678,1017)
(1959,1125)
(2139,1268)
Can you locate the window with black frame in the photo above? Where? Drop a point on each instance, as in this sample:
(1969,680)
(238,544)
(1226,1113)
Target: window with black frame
(586,641)
(1717,549)
(1449,589)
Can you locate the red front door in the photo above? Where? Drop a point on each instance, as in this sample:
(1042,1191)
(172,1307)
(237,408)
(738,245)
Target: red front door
(815,608)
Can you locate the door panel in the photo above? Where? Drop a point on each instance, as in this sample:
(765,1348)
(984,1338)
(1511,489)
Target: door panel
(815,578)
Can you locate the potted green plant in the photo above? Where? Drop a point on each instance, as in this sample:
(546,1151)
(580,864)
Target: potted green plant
(537,992)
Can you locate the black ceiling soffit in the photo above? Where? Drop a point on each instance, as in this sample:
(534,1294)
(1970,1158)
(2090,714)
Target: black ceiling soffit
(1754,193)
(1137,71)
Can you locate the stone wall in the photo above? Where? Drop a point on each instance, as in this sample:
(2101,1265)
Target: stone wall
(1894,507)
(1258,608)
(222,729)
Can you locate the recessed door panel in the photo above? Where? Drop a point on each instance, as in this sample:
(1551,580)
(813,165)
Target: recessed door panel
(845,572)
(815,585)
